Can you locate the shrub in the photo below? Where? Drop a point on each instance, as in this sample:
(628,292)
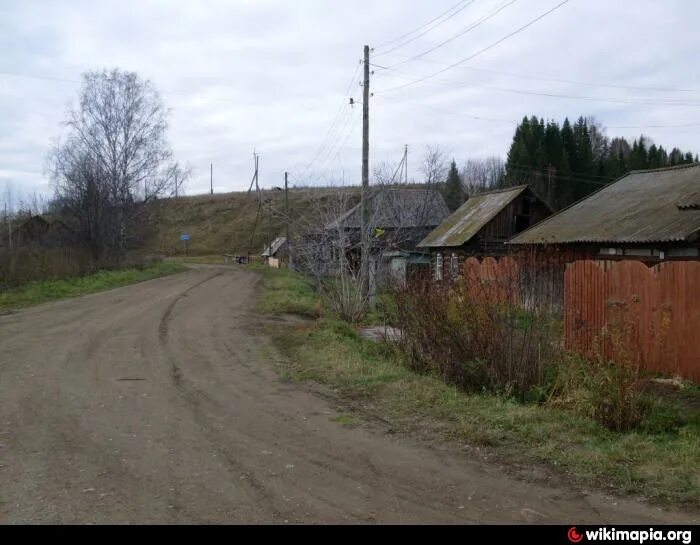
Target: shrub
(610,393)
(476,334)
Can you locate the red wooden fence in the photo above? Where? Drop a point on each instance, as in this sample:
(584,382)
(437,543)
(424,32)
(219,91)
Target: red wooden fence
(491,281)
(630,313)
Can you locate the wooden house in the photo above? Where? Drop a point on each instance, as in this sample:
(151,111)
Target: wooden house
(482,226)
(647,215)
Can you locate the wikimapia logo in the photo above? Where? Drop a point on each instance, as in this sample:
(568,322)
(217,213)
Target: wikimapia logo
(632,536)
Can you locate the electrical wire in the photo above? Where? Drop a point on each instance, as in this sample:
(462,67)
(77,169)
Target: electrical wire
(334,124)
(480,51)
(459,6)
(550,79)
(471,27)
(460,84)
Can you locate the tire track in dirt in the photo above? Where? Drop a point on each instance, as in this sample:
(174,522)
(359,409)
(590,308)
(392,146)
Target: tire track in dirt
(196,398)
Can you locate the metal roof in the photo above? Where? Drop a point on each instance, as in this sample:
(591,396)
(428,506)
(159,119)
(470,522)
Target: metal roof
(643,206)
(398,208)
(275,247)
(470,218)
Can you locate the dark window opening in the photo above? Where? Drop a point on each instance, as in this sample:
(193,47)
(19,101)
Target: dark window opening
(522,222)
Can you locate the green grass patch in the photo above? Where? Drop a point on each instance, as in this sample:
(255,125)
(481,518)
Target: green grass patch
(36,293)
(286,292)
(346,420)
(659,461)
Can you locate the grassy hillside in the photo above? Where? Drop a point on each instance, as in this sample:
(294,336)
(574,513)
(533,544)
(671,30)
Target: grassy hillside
(226,222)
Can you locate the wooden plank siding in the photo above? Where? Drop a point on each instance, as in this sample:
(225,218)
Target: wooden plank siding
(634,314)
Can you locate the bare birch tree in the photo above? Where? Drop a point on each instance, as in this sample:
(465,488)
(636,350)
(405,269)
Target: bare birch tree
(481,175)
(114,156)
(434,165)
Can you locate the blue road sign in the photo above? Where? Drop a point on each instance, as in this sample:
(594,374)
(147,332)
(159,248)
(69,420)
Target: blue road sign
(184,238)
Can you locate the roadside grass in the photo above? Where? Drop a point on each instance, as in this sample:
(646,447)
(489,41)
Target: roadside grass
(286,292)
(659,461)
(36,293)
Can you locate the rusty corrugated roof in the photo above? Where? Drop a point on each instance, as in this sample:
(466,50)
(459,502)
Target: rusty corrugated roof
(643,206)
(470,218)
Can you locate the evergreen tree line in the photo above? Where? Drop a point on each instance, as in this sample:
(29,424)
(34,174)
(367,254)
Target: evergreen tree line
(565,163)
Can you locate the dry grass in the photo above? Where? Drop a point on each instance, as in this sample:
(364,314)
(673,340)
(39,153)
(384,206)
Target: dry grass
(223,223)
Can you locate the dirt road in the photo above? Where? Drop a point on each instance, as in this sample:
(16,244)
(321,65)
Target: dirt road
(152,404)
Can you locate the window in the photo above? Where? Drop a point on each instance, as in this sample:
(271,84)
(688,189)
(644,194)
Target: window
(641,252)
(438,267)
(611,251)
(521,223)
(684,252)
(454,266)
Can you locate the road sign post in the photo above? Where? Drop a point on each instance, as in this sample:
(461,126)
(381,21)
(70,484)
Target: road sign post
(185,239)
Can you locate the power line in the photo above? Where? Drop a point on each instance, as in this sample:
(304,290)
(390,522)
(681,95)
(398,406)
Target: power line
(563,177)
(458,7)
(336,120)
(550,79)
(337,145)
(461,84)
(479,118)
(479,52)
(571,174)
(471,27)
(515,122)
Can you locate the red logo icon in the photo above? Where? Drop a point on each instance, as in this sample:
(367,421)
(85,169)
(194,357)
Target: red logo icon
(574,536)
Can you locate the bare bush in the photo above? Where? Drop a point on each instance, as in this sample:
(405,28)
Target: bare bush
(330,248)
(475,332)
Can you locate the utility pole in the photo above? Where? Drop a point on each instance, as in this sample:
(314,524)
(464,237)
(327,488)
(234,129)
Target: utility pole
(270,232)
(8,219)
(405,163)
(364,204)
(211,177)
(286,212)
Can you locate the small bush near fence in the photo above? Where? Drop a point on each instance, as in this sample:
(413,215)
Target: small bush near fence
(489,331)
(474,332)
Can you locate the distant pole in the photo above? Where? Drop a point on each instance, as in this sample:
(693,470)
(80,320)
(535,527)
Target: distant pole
(270,232)
(364,205)
(405,163)
(9,228)
(286,211)
(257,175)
(211,177)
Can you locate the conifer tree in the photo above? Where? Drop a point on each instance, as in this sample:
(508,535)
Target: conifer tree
(454,188)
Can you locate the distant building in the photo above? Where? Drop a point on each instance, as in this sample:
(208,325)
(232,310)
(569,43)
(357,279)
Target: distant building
(482,226)
(276,252)
(399,218)
(647,215)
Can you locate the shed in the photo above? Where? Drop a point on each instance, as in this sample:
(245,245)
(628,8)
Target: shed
(277,248)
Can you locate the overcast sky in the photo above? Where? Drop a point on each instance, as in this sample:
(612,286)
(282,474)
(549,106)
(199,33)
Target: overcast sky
(272,75)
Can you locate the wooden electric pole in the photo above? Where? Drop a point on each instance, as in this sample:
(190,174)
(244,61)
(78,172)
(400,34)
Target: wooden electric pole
(211,177)
(364,204)
(286,212)
(405,163)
